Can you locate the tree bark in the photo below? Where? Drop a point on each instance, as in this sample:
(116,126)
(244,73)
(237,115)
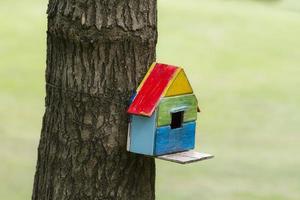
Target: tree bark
(97,53)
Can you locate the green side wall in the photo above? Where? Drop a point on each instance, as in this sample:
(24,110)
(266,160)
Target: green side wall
(169,104)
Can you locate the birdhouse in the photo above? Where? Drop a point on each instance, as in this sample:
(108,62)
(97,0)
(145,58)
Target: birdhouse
(163,114)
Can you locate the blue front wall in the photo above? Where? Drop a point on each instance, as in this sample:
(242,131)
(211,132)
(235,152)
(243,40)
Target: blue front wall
(169,140)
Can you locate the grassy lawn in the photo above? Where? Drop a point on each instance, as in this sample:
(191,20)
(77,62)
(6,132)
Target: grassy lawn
(243,60)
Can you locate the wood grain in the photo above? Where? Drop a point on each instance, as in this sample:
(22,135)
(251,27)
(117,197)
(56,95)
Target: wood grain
(142,135)
(169,104)
(175,140)
(152,90)
(179,86)
(186,157)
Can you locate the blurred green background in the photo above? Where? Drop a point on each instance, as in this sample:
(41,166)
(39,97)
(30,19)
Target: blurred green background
(243,60)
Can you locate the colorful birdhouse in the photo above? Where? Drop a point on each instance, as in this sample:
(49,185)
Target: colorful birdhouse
(163,116)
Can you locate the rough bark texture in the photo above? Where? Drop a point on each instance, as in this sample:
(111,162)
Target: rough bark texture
(97,53)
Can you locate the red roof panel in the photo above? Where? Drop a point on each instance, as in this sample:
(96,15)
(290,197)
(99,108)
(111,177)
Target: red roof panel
(152,89)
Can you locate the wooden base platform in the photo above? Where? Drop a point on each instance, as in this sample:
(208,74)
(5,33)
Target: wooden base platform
(186,157)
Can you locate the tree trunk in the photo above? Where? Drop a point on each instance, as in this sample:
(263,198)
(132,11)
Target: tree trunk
(97,53)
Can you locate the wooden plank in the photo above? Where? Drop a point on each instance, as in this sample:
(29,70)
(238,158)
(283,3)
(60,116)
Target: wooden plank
(169,104)
(128,137)
(179,86)
(146,76)
(152,90)
(169,140)
(142,134)
(186,157)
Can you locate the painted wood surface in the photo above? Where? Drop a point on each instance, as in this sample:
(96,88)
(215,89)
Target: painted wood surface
(169,140)
(179,86)
(152,89)
(128,137)
(186,157)
(142,134)
(188,103)
(146,76)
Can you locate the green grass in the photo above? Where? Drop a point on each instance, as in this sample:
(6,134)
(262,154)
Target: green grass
(242,58)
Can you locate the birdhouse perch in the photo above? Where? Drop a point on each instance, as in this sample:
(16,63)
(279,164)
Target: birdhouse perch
(163,116)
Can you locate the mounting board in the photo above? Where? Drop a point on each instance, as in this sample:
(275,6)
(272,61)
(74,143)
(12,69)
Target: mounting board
(186,157)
